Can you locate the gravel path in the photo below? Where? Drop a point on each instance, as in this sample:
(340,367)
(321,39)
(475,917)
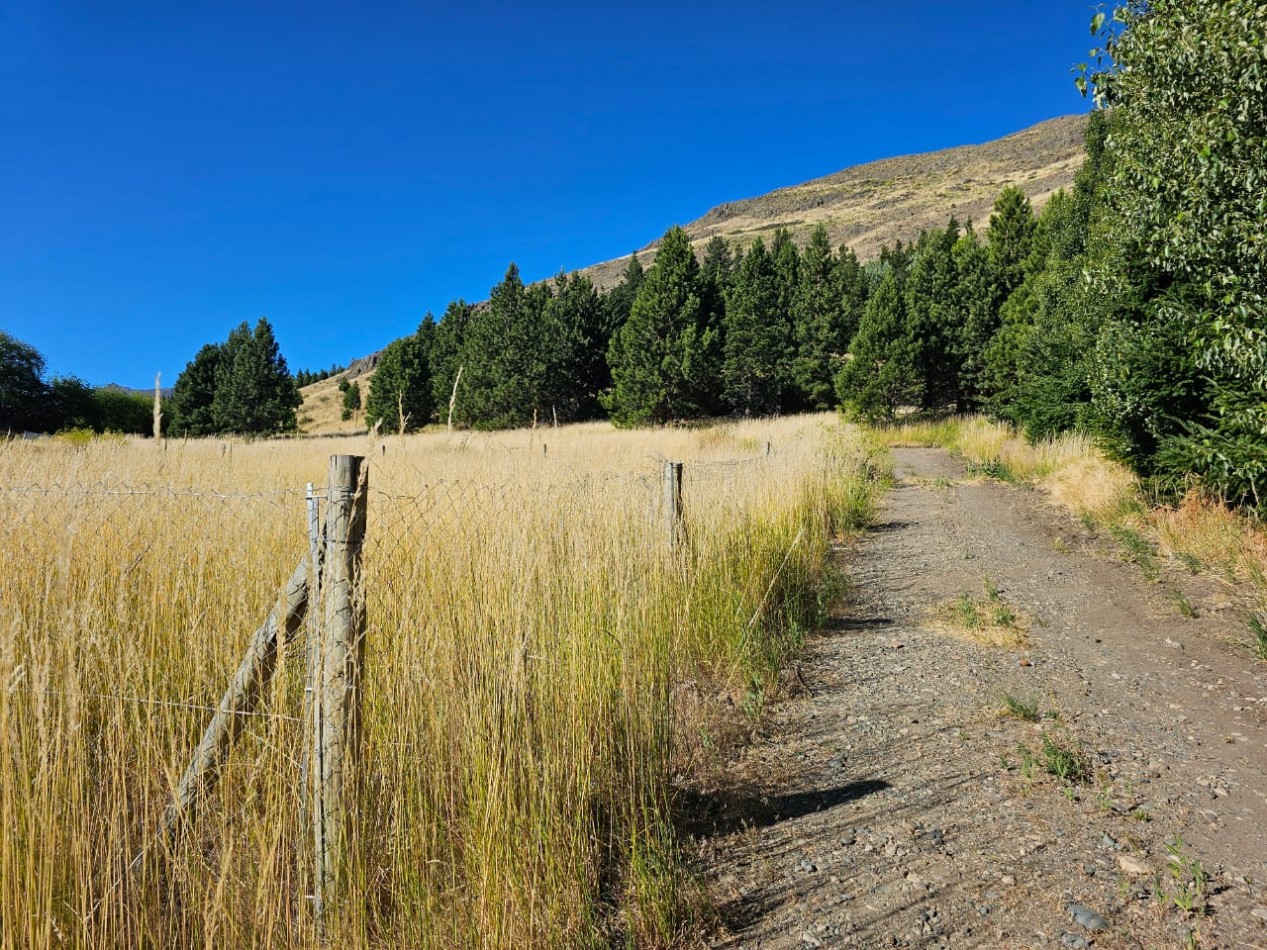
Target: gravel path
(887,803)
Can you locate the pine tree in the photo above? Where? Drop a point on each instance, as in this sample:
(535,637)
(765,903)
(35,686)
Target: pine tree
(577,368)
(933,319)
(977,314)
(618,302)
(400,396)
(446,354)
(507,352)
(822,329)
(664,359)
(255,393)
(754,370)
(351,403)
(1010,238)
(881,377)
(190,408)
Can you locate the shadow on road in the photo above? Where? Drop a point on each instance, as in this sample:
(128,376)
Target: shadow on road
(724,812)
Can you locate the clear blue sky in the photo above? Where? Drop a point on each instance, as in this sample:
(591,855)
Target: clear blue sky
(168,170)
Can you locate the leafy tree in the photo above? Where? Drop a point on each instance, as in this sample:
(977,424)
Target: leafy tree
(23,392)
(71,405)
(255,393)
(882,376)
(118,410)
(400,396)
(1188,142)
(664,359)
(756,343)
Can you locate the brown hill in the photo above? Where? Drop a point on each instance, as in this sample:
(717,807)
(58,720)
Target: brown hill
(866,207)
(881,202)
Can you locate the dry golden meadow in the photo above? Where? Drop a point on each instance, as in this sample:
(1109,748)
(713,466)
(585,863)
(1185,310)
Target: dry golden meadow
(540,675)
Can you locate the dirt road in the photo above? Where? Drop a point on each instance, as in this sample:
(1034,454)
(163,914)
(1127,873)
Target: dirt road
(889,803)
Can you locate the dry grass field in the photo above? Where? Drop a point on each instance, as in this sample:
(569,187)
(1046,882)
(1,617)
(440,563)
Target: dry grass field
(542,674)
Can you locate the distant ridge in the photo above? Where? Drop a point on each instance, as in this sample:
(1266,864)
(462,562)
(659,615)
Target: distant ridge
(881,202)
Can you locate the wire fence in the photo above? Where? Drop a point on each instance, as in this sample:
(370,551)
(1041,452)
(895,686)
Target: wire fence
(95,547)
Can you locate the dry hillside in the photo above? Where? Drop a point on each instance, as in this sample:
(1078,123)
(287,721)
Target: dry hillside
(865,206)
(893,199)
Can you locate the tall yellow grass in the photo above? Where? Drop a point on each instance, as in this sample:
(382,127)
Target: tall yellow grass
(530,638)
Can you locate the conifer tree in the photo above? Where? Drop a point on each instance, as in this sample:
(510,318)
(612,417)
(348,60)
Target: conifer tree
(881,377)
(194,393)
(824,318)
(507,353)
(446,354)
(933,319)
(756,343)
(618,302)
(664,357)
(399,399)
(577,368)
(1010,239)
(255,393)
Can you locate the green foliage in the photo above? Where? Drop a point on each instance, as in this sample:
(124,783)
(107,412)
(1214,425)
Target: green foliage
(71,405)
(508,352)
(881,377)
(241,386)
(351,402)
(756,343)
(118,410)
(826,310)
(1011,238)
(576,367)
(194,393)
(1189,145)
(618,302)
(400,396)
(23,392)
(254,391)
(665,359)
(446,353)
(933,321)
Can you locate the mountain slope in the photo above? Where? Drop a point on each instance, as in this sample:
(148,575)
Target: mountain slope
(867,206)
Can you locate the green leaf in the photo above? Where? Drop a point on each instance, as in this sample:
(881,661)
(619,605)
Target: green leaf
(1097,21)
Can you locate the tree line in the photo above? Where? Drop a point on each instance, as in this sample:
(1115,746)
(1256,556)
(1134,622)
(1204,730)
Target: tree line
(1131,308)
(31,403)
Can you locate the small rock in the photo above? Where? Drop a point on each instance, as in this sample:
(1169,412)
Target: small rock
(1260,913)
(1073,940)
(1132,866)
(1007,880)
(847,839)
(806,865)
(1085,917)
(810,940)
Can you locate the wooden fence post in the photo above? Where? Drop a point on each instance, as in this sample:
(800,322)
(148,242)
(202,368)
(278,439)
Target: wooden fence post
(336,687)
(673,504)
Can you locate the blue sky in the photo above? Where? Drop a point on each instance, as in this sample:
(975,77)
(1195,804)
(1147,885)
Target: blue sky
(168,170)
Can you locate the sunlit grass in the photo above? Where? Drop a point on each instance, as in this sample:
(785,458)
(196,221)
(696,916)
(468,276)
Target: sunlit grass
(536,661)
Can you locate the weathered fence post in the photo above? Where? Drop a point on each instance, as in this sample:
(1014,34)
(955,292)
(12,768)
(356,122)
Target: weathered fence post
(337,686)
(240,699)
(673,504)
